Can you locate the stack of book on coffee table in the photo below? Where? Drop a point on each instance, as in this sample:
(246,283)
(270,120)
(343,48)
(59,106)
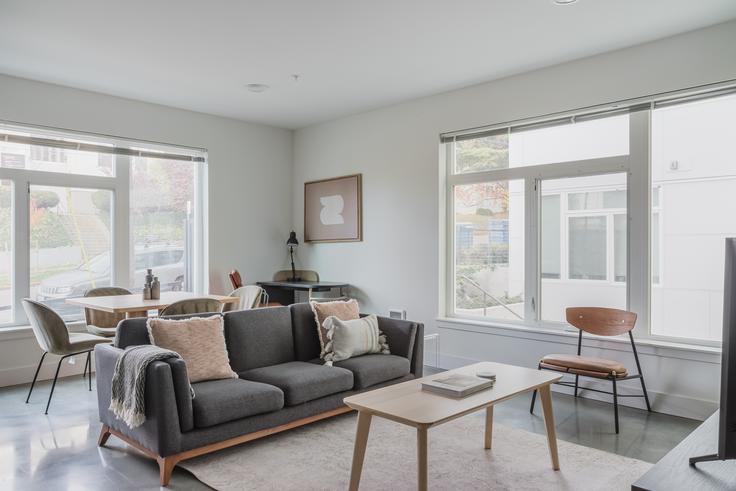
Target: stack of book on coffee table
(458,385)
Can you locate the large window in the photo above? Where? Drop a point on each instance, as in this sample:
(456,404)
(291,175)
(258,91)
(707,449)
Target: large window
(79,212)
(625,208)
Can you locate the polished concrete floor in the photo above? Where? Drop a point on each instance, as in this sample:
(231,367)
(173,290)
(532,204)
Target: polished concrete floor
(59,451)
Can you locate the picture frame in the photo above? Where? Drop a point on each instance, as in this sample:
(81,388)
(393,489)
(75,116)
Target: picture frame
(333,209)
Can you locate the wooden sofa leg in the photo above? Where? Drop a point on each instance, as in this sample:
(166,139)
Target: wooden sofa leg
(165,467)
(104,435)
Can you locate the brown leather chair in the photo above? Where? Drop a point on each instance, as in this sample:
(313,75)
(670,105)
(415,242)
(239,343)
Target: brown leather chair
(601,322)
(235,279)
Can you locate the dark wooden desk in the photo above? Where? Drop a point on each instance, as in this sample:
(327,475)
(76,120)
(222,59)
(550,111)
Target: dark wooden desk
(283,292)
(674,472)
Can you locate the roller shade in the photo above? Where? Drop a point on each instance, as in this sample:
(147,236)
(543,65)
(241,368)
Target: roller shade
(595,112)
(68,144)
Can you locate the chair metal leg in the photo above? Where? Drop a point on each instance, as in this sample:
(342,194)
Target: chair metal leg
(38,369)
(86,363)
(53,385)
(88,366)
(615,403)
(576,384)
(646,397)
(534,395)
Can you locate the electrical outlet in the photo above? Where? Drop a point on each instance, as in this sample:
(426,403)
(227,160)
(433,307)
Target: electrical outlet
(397,314)
(72,360)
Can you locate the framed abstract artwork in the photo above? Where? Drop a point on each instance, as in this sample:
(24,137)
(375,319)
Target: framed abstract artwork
(333,210)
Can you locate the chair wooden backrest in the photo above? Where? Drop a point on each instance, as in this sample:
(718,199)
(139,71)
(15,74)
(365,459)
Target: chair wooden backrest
(601,321)
(192,306)
(303,274)
(100,318)
(235,279)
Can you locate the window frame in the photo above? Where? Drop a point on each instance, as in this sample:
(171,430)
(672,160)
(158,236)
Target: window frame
(636,165)
(121,244)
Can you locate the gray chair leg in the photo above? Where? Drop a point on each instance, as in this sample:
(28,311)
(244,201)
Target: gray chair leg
(615,403)
(646,396)
(53,385)
(38,369)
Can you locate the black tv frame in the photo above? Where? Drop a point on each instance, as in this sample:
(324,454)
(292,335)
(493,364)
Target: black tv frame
(727,416)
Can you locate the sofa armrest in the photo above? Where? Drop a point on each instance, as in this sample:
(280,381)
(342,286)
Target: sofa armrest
(161,432)
(405,338)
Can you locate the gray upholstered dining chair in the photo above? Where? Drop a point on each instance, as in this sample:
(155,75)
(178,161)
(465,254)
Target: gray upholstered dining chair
(54,337)
(192,306)
(302,274)
(99,322)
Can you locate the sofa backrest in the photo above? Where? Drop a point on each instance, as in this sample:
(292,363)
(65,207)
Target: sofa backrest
(133,332)
(259,337)
(304,326)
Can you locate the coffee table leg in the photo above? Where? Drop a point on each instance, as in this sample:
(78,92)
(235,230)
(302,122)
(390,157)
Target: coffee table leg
(361,440)
(549,423)
(422,458)
(489,427)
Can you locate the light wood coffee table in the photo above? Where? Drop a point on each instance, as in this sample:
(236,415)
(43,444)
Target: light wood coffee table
(408,404)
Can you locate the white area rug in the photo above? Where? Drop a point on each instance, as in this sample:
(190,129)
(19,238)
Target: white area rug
(318,457)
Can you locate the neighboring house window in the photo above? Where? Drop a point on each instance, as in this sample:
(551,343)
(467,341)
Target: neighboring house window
(70,196)
(545,215)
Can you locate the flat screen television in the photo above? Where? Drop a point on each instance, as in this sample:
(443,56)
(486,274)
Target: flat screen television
(727,416)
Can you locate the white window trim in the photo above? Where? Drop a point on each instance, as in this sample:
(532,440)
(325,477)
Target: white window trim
(119,185)
(638,210)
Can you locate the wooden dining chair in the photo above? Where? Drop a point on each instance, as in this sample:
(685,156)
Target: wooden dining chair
(600,322)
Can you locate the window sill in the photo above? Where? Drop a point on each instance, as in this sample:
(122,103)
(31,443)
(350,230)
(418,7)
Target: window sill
(24,332)
(654,347)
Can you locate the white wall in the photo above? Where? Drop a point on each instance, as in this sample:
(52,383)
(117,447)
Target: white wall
(396,150)
(250,171)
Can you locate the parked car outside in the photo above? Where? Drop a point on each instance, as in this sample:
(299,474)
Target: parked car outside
(166,261)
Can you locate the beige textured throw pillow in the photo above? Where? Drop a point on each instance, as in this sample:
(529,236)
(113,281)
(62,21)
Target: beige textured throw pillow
(199,341)
(347,339)
(343,310)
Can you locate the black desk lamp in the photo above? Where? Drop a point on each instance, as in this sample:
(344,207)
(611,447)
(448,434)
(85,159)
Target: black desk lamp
(291,243)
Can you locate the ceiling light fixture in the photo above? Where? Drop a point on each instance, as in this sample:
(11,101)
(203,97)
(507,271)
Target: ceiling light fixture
(257,88)
(564,2)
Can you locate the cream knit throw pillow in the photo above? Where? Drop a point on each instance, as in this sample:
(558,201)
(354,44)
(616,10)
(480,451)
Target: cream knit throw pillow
(351,338)
(199,341)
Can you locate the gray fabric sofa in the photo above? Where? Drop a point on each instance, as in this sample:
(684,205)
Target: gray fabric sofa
(282,383)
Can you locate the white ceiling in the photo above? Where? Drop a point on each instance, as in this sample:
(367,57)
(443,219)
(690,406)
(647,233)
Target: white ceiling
(351,55)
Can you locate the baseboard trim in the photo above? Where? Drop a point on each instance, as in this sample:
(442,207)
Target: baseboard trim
(24,374)
(673,404)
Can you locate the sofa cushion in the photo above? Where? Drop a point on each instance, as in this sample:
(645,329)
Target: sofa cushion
(302,381)
(220,401)
(259,337)
(370,370)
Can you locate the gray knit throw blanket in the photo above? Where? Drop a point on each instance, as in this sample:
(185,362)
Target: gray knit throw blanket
(127,401)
